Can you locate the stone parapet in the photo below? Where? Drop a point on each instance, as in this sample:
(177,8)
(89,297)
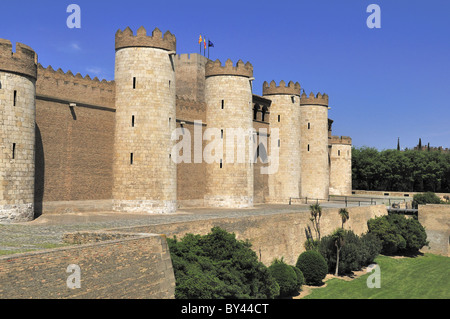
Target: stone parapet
(126,39)
(23,61)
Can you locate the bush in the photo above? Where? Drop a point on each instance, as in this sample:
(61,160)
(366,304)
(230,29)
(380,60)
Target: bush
(313,266)
(286,277)
(356,252)
(398,234)
(425,198)
(300,277)
(217,266)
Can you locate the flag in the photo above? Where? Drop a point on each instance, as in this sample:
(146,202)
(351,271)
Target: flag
(200,40)
(210,44)
(204,40)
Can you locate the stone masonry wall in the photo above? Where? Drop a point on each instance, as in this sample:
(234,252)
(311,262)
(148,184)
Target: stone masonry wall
(285,183)
(232,184)
(315,178)
(17,136)
(112,266)
(436,220)
(272,236)
(144,173)
(341,169)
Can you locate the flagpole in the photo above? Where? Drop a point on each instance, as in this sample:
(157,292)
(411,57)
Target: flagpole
(208,48)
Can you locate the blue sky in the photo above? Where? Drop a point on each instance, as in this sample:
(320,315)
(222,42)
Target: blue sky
(383,83)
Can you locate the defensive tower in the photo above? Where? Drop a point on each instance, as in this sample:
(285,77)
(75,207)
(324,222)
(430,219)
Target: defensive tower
(285,116)
(228,96)
(314,158)
(341,165)
(145,175)
(18,73)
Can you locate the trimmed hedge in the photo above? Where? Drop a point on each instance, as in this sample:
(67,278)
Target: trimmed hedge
(313,266)
(286,277)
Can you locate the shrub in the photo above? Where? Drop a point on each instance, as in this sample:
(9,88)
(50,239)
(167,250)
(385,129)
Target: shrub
(286,277)
(356,252)
(313,266)
(398,234)
(217,266)
(425,198)
(300,277)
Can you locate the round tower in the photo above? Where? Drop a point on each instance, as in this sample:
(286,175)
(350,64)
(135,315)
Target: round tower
(285,117)
(315,179)
(145,175)
(228,95)
(18,74)
(341,165)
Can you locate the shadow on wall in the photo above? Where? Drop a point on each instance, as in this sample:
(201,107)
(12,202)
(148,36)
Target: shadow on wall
(39,175)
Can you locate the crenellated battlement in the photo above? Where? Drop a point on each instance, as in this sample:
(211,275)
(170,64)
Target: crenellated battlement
(344,140)
(68,76)
(75,88)
(126,39)
(23,61)
(282,88)
(312,99)
(241,69)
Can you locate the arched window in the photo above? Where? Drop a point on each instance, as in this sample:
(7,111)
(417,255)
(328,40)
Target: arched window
(255,112)
(264,111)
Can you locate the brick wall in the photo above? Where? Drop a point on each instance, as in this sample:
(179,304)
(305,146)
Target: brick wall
(74,146)
(112,266)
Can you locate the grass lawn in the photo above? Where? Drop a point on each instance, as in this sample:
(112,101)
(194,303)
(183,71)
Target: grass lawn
(422,277)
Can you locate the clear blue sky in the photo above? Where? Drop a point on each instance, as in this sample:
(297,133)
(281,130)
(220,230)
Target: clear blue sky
(383,83)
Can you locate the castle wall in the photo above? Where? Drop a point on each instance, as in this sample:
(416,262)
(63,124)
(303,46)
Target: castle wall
(190,76)
(112,266)
(232,184)
(272,235)
(74,145)
(435,219)
(144,173)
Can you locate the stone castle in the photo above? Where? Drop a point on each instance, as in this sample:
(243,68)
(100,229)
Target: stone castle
(72,140)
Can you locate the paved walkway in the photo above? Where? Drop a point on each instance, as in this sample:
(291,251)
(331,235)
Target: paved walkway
(47,230)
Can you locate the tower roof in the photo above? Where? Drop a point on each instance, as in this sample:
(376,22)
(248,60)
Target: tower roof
(312,99)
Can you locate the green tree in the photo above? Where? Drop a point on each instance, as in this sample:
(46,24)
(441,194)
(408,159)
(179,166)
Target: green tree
(217,266)
(316,214)
(343,213)
(338,238)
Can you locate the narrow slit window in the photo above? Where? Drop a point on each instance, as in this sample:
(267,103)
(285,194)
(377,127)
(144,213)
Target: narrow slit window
(339,153)
(132,121)
(0,85)
(134,83)
(14,151)
(279,143)
(221,134)
(221,164)
(309,126)
(279,118)
(308,147)
(223,104)
(131,159)
(15,98)
(170,82)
